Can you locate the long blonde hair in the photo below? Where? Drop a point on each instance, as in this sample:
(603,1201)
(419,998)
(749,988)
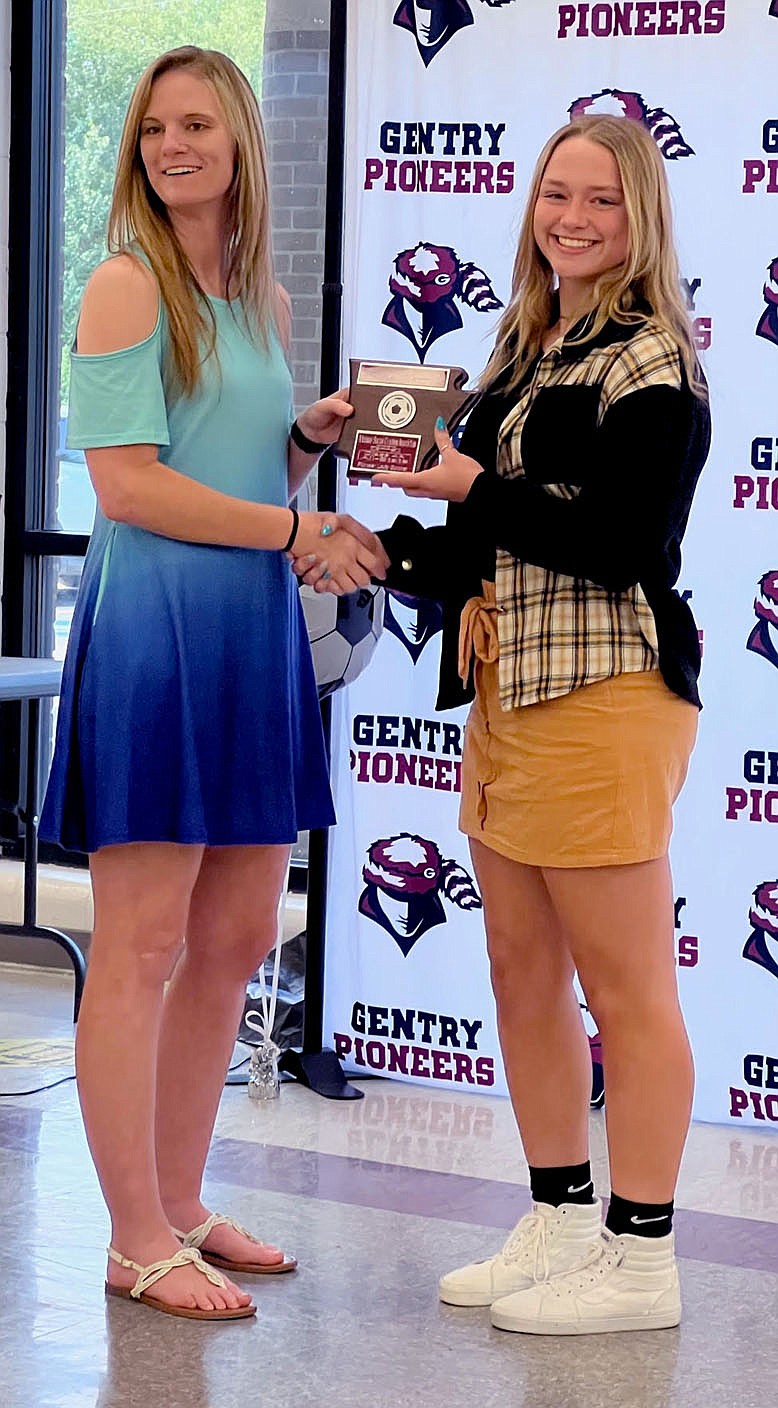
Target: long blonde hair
(648,280)
(139,219)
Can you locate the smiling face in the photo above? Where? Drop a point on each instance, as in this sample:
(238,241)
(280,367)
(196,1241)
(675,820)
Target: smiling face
(185,145)
(580,219)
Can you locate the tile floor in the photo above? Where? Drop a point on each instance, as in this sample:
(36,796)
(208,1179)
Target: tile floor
(376,1197)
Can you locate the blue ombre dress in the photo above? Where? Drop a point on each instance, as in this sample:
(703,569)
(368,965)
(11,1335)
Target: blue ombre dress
(189,710)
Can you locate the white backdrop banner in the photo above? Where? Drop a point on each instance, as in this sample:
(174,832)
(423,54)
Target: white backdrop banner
(448,104)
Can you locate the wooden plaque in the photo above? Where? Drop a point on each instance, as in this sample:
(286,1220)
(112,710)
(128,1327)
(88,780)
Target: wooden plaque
(396,405)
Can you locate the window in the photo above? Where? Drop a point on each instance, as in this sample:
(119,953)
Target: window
(106,49)
(73,68)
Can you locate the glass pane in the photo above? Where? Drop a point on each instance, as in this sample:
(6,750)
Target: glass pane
(59,582)
(107,48)
(66,580)
(75,506)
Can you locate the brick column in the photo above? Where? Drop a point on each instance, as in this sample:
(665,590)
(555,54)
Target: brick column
(294,106)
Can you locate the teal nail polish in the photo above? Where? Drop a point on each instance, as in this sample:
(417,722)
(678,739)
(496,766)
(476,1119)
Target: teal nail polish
(326,530)
(440,424)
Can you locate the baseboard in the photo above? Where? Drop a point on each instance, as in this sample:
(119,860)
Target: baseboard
(64,896)
(65,902)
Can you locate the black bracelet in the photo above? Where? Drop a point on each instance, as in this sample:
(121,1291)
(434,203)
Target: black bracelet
(295,526)
(310,447)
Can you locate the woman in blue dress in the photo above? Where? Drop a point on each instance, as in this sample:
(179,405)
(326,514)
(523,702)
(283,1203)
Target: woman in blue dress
(189,749)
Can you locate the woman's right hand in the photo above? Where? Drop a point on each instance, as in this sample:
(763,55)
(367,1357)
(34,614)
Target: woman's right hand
(334,552)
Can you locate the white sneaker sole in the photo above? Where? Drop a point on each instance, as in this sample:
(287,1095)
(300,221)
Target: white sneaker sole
(475,1299)
(463,1298)
(667,1321)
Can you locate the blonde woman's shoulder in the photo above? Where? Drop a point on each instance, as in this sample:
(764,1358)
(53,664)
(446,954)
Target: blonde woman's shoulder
(651,357)
(652,336)
(120,307)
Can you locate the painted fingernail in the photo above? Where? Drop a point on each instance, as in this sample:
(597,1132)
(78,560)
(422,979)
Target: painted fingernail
(325,576)
(440,424)
(326,530)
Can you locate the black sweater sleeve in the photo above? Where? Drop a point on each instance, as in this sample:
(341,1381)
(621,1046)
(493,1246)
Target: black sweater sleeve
(420,558)
(439,563)
(632,507)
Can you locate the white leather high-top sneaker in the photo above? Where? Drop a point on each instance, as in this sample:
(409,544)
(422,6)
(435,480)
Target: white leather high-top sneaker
(628,1283)
(546,1241)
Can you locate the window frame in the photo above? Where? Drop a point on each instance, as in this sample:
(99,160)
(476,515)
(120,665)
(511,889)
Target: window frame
(36,189)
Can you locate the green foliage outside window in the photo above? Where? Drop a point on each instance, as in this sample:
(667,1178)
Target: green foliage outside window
(108,46)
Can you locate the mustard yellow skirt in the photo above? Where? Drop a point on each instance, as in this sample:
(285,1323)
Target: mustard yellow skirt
(587,779)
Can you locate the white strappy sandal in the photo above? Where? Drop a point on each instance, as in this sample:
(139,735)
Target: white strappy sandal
(198,1235)
(149,1275)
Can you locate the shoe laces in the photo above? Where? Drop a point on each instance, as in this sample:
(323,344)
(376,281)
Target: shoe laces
(600,1258)
(529,1241)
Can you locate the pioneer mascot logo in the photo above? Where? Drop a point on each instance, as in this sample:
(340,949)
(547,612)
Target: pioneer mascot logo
(424,286)
(767,326)
(763,639)
(762,943)
(615,103)
(413,620)
(433,22)
(405,877)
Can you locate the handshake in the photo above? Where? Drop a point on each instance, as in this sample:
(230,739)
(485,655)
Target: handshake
(332,552)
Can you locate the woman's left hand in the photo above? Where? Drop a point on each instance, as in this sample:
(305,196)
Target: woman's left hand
(324,420)
(451,479)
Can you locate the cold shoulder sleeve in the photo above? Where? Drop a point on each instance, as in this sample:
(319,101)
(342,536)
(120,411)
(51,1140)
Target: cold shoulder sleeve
(118,398)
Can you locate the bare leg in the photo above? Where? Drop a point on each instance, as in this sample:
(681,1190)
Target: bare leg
(544,1045)
(618,922)
(230,929)
(141,895)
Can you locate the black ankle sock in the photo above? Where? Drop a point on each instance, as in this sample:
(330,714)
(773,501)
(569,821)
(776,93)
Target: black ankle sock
(638,1219)
(572,1184)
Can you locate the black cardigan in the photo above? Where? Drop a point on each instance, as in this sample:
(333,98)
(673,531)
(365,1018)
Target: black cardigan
(637,474)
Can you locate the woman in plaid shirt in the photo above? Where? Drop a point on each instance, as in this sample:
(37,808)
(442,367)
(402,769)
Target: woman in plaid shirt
(557,566)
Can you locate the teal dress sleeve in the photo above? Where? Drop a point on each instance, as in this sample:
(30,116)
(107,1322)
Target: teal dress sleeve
(118,398)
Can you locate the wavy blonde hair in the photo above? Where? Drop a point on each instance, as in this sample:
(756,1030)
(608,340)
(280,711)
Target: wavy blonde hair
(139,219)
(649,279)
